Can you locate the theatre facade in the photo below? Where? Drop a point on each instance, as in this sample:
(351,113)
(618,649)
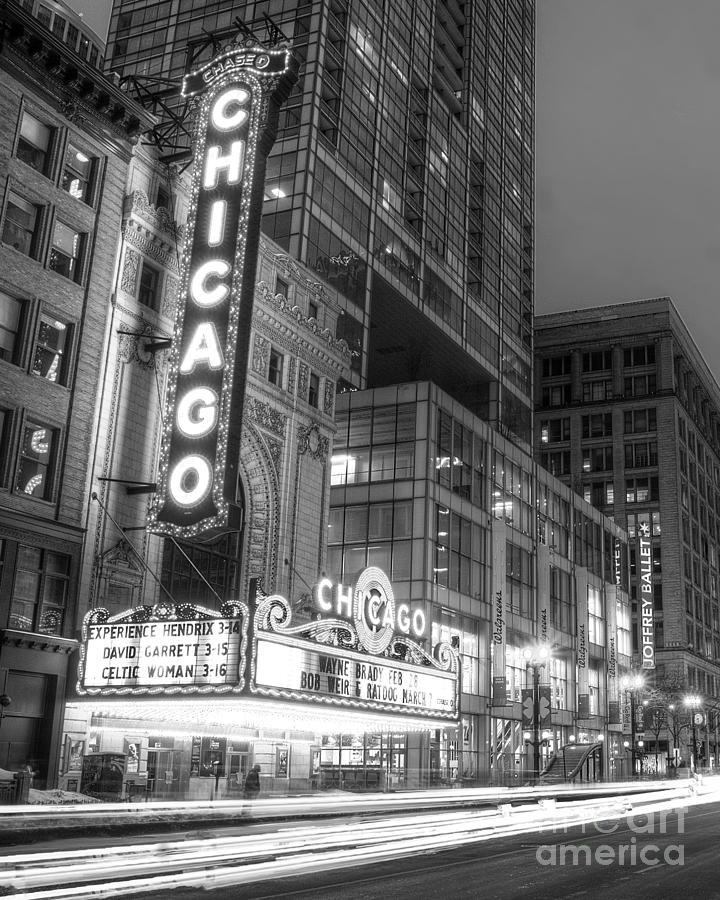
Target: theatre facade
(184,700)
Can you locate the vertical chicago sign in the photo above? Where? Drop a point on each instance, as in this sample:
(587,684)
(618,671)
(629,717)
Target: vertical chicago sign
(239,94)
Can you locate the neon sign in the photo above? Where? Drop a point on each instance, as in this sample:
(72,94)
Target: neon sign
(206,382)
(371,606)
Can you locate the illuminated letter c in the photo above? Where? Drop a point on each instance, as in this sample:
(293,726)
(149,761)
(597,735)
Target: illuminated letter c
(220,119)
(199,292)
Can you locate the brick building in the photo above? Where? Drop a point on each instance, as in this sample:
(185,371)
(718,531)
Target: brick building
(627,412)
(65,150)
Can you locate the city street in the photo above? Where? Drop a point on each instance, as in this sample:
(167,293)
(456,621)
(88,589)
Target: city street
(521,866)
(623,844)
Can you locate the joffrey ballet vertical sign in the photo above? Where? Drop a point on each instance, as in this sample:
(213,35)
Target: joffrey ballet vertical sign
(240,92)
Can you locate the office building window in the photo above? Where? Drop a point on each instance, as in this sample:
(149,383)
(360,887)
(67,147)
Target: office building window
(559,395)
(556,365)
(554,430)
(77,173)
(557,463)
(37,449)
(275,368)
(34,142)
(149,286)
(40,592)
(641,490)
(638,421)
(599,493)
(597,361)
(519,580)
(597,425)
(21,224)
(10,320)
(562,589)
(49,355)
(640,385)
(639,456)
(639,356)
(596,616)
(597,390)
(66,251)
(597,459)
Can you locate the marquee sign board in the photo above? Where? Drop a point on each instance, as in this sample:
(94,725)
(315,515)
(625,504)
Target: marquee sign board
(164,650)
(236,122)
(367,659)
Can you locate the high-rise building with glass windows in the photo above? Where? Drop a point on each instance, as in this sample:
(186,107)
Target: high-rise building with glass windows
(402,174)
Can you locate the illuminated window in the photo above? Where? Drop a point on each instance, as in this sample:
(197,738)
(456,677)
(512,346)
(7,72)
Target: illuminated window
(65,251)
(10,319)
(48,359)
(37,450)
(275,370)
(21,224)
(77,173)
(33,146)
(149,286)
(596,616)
(40,591)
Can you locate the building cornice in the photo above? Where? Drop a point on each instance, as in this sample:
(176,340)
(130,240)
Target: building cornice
(80,90)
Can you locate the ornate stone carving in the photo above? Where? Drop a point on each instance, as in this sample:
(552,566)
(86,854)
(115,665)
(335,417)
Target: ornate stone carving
(275,448)
(168,306)
(261,349)
(287,266)
(265,416)
(311,441)
(292,367)
(156,216)
(131,264)
(329,400)
(148,247)
(131,349)
(303,379)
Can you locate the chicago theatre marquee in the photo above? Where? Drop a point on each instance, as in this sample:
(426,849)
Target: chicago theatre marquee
(346,697)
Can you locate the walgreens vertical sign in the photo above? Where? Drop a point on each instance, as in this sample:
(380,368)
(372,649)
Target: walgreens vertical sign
(239,92)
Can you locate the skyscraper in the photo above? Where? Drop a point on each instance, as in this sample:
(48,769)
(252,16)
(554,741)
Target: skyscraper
(402,173)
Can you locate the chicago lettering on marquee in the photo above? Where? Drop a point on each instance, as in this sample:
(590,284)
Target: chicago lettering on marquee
(363,651)
(236,124)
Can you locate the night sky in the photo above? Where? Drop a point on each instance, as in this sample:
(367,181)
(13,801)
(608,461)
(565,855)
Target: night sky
(628,145)
(628,152)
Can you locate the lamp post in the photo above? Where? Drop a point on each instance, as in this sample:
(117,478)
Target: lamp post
(693,702)
(535,658)
(632,683)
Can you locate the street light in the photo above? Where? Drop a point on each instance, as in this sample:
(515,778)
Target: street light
(632,683)
(694,702)
(535,658)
